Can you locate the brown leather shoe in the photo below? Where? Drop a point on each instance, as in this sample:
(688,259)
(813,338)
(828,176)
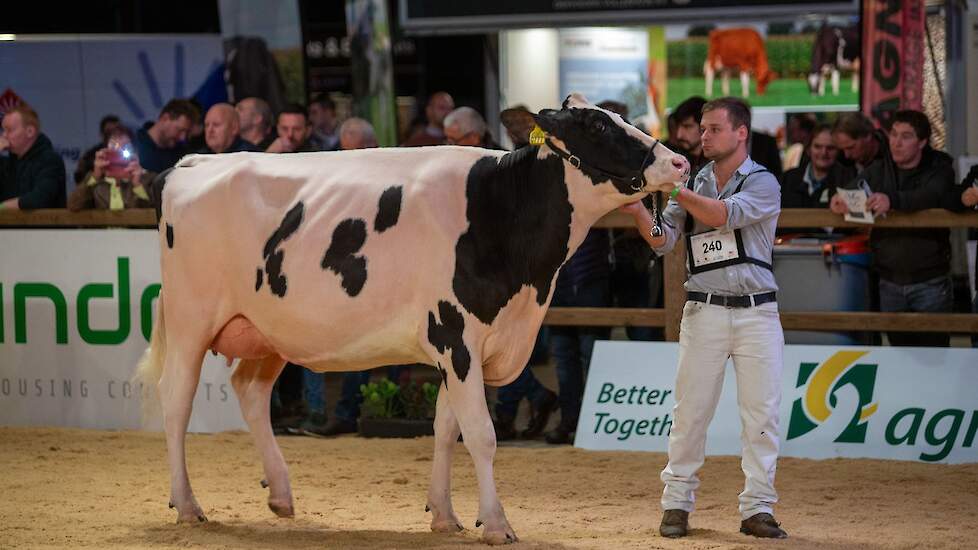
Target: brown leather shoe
(763,525)
(674,524)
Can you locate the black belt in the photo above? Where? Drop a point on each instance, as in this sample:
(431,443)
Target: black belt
(732,301)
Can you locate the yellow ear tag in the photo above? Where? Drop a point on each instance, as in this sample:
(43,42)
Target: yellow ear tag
(537,136)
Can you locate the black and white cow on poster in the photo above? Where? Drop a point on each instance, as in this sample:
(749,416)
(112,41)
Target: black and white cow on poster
(834,49)
(350,260)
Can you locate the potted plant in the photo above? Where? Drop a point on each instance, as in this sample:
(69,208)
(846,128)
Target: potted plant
(392,410)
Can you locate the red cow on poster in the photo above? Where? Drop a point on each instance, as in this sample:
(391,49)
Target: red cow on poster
(740,49)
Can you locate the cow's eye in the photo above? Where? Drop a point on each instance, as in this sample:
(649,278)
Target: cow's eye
(597,127)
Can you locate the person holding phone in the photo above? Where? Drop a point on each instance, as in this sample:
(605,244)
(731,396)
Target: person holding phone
(116,181)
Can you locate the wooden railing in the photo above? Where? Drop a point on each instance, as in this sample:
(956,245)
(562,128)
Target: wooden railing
(674,273)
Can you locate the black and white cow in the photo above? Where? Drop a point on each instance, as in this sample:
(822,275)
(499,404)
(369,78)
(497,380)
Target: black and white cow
(351,260)
(835,48)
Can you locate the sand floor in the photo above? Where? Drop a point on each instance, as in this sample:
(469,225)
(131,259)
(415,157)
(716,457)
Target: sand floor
(98,489)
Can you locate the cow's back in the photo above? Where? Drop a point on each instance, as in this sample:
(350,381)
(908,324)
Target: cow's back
(739,48)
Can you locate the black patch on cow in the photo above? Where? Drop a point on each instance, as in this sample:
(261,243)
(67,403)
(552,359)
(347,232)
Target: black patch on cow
(592,136)
(448,334)
(389,209)
(169,236)
(519,224)
(341,257)
(156,191)
(444,374)
(258,279)
(277,280)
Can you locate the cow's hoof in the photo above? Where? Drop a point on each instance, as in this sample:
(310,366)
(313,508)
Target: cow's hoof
(447,525)
(193,517)
(264,484)
(506,536)
(282,509)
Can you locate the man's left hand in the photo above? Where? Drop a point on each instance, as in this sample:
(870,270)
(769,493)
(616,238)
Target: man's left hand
(879,203)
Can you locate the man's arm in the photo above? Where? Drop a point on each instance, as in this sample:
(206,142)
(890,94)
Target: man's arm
(47,182)
(759,199)
(936,191)
(673,219)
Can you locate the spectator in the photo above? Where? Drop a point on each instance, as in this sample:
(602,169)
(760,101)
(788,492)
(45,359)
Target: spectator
(764,150)
(325,130)
(801,129)
(432,133)
(813,184)
(256,119)
(33,175)
(106,127)
(293,132)
(221,131)
(914,264)
(116,181)
(857,138)
(687,117)
(357,133)
(969,198)
(465,126)
(159,145)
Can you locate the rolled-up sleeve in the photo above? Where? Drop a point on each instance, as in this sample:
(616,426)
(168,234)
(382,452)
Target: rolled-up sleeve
(759,199)
(673,222)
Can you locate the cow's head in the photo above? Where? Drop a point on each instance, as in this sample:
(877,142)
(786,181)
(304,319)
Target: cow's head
(763,79)
(607,149)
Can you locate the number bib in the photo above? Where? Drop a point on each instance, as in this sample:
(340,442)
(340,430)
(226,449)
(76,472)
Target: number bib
(713,247)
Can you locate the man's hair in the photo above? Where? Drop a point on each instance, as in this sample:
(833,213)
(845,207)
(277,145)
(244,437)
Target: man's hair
(358,126)
(738,112)
(294,109)
(917,120)
(692,107)
(854,125)
(121,131)
(468,119)
(263,110)
(176,108)
(819,128)
(28,116)
(106,120)
(807,123)
(324,101)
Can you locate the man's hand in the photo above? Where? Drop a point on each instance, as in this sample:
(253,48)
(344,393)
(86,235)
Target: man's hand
(134,172)
(970,197)
(101,163)
(280,145)
(635,209)
(838,205)
(879,203)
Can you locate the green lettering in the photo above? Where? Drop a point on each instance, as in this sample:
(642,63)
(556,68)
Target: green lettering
(910,437)
(605,395)
(664,394)
(970,437)
(620,395)
(626,429)
(146,309)
(104,290)
(947,439)
(600,417)
(23,291)
(641,426)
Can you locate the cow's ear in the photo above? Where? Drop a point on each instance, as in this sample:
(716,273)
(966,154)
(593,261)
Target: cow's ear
(548,120)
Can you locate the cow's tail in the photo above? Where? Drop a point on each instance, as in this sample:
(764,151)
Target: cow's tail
(150,368)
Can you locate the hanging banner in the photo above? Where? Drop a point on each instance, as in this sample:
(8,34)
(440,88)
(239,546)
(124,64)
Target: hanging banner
(373,81)
(893,45)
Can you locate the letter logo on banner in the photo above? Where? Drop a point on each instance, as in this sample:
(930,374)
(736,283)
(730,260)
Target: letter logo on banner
(819,401)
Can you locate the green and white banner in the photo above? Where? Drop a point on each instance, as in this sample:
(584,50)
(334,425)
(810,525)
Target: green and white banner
(76,313)
(855,402)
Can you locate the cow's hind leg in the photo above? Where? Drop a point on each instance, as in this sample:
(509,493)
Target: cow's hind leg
(252,382)
(178,384)
(468,401)
(443,518)
(745,83)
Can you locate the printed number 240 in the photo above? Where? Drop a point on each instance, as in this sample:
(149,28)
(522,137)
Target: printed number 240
(712,246)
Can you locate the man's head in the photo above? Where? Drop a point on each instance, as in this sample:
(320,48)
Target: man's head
(726,127)
(107,125)
(822,150)
(357,133)
(293,127)
(853,135)
(174,123)
(801,128)
(439,105)
(21,127)
(909,135)
(221,127)
(254,114)
(322,113)
(464,126)
(688,116)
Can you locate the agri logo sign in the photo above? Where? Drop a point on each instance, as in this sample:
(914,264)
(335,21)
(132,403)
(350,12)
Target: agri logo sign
(820,401)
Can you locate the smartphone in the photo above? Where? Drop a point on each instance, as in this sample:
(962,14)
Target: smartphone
(119,158)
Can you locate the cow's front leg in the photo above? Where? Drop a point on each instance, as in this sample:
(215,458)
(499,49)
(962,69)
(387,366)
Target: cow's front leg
(468,400)
(177,386)
(745,83)
(443,518)
(252,382)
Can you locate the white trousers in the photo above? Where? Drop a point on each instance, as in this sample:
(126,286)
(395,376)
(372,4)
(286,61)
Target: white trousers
(708,336)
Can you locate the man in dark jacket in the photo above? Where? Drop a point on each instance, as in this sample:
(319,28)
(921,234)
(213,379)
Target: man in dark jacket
(860,142)
(914,264)
(813,183)
(159,145)
(32,176)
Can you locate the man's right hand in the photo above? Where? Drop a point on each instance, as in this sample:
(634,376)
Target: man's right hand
(970,197)
(838,205)
(280,145)
(101,163)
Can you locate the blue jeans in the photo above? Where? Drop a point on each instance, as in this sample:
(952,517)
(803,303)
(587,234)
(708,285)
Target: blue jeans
(312,391)
(933,296)
(508,397)
(571,347)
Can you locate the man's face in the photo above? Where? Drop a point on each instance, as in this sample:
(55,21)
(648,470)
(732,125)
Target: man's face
(688,135)
(822,151)
(173,130)
(20,135)
(109,129)
(438,108)
(292,128)
(905,146)
(220,128)
(855,149)
(247,116)
(456,136)
(719,138)
(321,117)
